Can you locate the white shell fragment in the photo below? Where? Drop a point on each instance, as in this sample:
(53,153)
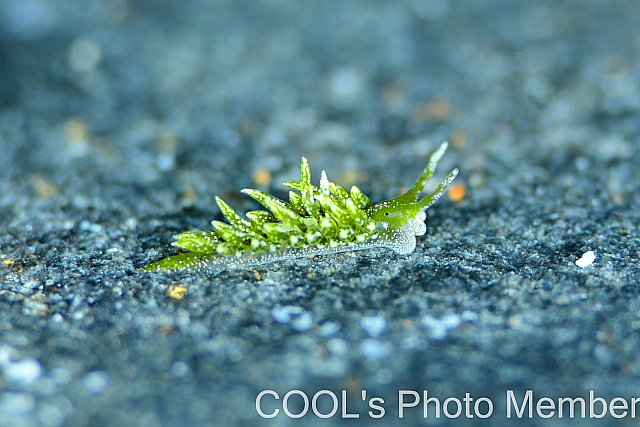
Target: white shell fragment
(586,260)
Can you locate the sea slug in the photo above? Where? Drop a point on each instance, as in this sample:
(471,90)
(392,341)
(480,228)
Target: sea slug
(316,221)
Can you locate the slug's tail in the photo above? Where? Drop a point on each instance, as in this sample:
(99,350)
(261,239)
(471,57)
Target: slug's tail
(190,260)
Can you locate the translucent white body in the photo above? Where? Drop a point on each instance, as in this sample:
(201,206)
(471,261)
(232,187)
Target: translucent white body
(401,240)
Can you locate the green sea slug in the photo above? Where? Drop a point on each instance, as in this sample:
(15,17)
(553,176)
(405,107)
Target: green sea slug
(316,221)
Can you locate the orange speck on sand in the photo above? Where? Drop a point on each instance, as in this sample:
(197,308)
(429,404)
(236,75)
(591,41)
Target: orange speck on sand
(8,261)
(189,195)
(458,138)
(618,198)
(177,291)
(165,329)
(261,177)
(437,109)
(75,129)
(457,192)
(44,189)
(348,178)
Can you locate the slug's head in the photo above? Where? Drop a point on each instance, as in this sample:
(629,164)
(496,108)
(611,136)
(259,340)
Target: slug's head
(398,224)
(392,215)
(402,218)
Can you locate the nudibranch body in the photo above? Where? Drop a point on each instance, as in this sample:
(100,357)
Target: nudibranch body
(316,221)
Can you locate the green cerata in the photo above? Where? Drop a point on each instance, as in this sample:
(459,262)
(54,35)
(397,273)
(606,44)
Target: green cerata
(316,221)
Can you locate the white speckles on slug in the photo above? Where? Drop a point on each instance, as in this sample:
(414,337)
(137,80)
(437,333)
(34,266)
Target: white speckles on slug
(316,221)
(324,184)
(403,240)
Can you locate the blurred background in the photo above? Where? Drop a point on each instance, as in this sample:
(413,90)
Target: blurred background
(121,120)
(197,97)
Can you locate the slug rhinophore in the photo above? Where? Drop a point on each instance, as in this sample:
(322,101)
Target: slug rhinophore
(316,221)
